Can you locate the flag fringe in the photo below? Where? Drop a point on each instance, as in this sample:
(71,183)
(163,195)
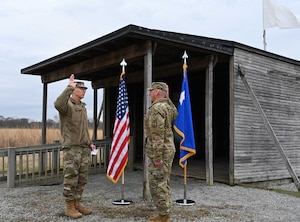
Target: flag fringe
(118,176)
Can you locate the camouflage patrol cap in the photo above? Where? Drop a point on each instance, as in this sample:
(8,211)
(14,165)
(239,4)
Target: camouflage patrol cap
(80,85)
(159,85)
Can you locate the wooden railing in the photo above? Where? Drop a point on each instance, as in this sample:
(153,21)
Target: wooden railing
(43,164)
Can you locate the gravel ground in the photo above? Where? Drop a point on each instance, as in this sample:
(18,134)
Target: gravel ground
(219,202)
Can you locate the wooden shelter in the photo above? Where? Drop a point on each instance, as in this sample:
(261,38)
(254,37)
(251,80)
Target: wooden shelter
(245,101)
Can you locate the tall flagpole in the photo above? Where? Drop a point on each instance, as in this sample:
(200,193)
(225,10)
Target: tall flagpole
(185,201)
(122,201)
(264,30)
(264,39)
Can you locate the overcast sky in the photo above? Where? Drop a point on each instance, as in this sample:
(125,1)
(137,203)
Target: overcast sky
(32,31)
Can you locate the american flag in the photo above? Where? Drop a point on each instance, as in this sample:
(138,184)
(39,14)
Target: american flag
(121,135)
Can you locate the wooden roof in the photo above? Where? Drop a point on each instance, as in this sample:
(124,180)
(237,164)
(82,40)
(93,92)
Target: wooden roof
(98,61)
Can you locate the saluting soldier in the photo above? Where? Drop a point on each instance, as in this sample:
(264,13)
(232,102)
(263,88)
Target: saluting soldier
(77,145)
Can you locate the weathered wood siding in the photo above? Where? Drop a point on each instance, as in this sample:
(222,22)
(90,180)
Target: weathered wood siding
(276,85)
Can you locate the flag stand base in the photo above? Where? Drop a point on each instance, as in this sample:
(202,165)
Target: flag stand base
(185,202)
(122,202)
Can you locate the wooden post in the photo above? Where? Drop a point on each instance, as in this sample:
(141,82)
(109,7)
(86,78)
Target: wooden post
(44,124)
(270,129)
(106,114)
(231,121)
(208,123)
(95,119)
(147,103)
(11,168)
(131,154)
(44,113)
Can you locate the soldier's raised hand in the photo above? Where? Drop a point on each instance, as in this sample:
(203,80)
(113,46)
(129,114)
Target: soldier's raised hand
(71,81)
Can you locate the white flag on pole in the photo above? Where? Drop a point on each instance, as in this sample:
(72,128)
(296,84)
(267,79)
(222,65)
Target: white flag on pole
(276,15)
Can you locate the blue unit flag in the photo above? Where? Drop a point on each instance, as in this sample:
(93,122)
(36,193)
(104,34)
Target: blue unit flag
(184,123)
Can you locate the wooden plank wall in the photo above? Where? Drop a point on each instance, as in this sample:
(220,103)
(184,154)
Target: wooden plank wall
(276,85)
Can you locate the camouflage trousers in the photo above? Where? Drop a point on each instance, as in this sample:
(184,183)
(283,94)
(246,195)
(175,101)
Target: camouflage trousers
(159,182)
(76,165)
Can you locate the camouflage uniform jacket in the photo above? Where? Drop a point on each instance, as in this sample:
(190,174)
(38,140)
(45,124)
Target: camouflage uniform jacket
(73,119)
(159,128)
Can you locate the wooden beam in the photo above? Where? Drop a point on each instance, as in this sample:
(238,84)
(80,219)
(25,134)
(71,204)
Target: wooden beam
(95,64)
(160,72)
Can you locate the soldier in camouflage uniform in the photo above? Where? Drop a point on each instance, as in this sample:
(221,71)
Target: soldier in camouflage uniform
(76,145)
(160,148)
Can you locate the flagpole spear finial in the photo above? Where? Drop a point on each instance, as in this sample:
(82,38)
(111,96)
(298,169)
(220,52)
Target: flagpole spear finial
(123,64)
(185,56)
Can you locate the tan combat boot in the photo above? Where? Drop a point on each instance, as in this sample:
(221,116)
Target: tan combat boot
(160,218)
(71,211)
(81,209)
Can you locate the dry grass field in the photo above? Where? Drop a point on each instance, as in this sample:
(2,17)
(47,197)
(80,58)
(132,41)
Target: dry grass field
(30,137)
